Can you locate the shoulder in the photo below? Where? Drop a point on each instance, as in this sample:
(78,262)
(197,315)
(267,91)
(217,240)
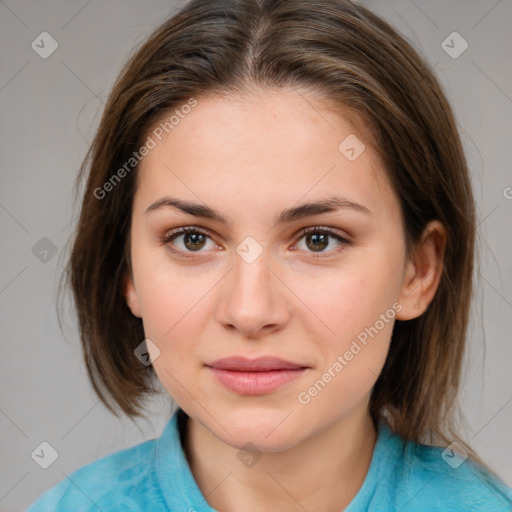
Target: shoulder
(437,479)
(107,481)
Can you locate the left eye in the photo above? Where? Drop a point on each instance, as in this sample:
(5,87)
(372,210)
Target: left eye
(317,238)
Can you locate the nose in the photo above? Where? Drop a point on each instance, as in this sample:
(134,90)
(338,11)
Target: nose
(253,299)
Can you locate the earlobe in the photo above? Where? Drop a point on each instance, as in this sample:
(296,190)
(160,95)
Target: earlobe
(130,295)
(423,272)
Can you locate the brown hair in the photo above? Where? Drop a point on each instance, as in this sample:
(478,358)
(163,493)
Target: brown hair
(355,61)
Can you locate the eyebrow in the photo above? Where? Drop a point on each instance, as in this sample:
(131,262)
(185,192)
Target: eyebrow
(291,214)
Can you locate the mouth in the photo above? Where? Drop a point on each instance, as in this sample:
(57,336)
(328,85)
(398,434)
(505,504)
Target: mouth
(255,376)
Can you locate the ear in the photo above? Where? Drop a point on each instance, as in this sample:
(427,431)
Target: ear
(423,272)
(130,295)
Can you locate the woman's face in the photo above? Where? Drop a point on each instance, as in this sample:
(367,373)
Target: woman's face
(255,287)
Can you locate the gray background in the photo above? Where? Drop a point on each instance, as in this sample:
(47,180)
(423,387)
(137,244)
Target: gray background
(49,111)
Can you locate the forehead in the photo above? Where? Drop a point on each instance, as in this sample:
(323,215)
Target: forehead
(270,147)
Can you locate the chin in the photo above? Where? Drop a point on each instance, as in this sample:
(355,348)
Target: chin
(260,441)
(265,430)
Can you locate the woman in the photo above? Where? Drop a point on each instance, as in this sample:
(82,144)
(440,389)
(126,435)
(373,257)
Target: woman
(278,224)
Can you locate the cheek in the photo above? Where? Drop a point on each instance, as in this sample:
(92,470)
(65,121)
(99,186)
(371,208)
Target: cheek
(171,304)
(357,313)
(173,313)
(173,321)
(348,301)
(166,291)
(361,318)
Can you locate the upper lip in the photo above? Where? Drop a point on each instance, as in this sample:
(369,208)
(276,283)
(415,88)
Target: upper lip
(260,364)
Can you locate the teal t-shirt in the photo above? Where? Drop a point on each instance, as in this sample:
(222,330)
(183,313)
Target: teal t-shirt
(154,476)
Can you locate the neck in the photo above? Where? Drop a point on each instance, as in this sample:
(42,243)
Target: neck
(323,472)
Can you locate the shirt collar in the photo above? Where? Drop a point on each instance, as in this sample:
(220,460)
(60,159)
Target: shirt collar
(387,453)
(176,480)
(181,491)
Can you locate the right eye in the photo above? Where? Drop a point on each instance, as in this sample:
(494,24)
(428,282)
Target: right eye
(193,240)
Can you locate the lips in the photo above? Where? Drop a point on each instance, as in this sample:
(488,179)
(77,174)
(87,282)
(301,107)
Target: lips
(255,376)
(260,364)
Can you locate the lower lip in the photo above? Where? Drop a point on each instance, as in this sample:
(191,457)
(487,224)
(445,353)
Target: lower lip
(255,383)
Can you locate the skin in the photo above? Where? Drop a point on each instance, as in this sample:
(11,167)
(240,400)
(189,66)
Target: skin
(250,158)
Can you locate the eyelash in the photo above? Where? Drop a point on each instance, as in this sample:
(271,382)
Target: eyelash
(172,235)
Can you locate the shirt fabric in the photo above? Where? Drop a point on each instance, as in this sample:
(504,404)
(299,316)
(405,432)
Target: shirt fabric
(154,476)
